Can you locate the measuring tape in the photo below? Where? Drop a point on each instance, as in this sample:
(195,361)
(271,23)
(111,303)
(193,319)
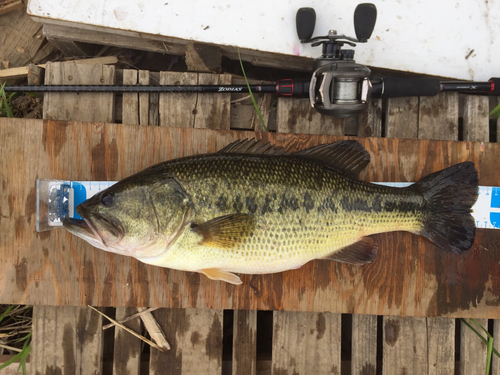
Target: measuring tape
(58,199)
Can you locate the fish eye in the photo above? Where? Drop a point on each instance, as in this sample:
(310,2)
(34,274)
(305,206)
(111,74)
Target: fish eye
(108,199)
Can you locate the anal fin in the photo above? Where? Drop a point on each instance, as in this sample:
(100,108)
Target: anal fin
(217,274)
(359,253)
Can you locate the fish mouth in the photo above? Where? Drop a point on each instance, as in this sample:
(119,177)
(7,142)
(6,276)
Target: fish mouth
(81,229)
(108,229)
(78,227)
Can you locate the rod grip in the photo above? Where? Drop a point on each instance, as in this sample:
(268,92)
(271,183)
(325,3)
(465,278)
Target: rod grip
(394,87)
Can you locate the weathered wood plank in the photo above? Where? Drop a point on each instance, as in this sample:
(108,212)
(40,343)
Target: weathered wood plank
(364,345)
(297,116)
(438,116)
(245,342)
(402,117)
(196,339)
(441,346)
(13,368)
(83,106)
(212,110)
(370,121)
(107,37)
(405,346)
(472,349)
(7,6)
(66,340)
(243,114)
(178,109)
(306,343)
(23,70)
(130,111)
(127,348)
(197,110)
(409,277)
(144,98)
(476,119)
(21,38)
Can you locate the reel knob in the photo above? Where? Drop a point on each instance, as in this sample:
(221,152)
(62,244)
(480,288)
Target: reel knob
(305,21)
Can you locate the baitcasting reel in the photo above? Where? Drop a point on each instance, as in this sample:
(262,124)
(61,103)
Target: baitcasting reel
(339,86)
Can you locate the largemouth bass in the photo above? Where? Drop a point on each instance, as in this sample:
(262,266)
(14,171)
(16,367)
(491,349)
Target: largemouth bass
(252,208)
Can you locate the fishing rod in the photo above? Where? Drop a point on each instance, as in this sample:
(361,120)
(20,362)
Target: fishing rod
(339,86)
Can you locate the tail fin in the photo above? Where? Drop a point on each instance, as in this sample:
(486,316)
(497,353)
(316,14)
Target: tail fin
(450,195)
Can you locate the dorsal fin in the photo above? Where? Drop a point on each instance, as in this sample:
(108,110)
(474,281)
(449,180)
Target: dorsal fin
(348,157)
(253,147)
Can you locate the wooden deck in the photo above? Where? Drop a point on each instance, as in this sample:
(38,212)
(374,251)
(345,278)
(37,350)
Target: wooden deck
(406,303)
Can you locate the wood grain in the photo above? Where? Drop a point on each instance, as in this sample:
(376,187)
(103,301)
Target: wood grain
(438,116)
(370,121)
(476,118)
(409,277)
(306,343)
(127,348)
(472,349)
(20,38)
(405,346)
(66,340)
(364,345)
(144,99)
(402,117)
(196,339)
(7,6)
(130,111)
(245,342)
(243,114)
(441,346)
(212,110)
(106,36)
(297,116)
(81,106)
(192,109)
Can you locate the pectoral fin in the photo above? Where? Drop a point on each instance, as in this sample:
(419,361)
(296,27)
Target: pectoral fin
(225,231)
(359,253)
(217,274)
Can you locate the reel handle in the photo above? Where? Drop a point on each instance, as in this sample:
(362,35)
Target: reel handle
(365,17)
(305,21)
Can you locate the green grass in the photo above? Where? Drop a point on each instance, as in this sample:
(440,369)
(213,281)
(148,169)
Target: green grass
(16,330)
(251,94)
(488,340)
(496,112)
(6,103)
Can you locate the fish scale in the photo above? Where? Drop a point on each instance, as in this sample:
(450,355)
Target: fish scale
(267,185)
